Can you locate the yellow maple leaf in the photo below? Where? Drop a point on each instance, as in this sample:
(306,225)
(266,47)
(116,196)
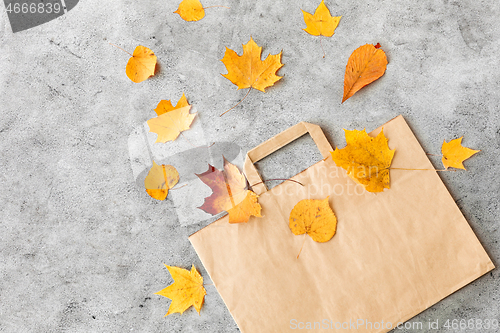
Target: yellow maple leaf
(248,70)
(454,153)
(171,121)
(314,217)
(141,65)
(160,179)
(191,10)
(166,105)
(366,159)
(186,290)
(229,194)
(322,22)
(366,64)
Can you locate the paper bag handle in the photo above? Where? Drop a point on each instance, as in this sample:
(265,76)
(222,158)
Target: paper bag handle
(278,141)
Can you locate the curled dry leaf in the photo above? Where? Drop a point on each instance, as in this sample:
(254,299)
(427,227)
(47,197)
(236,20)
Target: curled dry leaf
(160,179)
(366,159)
(186,290)
(191,10)
(229,193)
(171,121)
(314,217)
(322,23)
(454,153)
(142,64)
(248,70)
(365,65)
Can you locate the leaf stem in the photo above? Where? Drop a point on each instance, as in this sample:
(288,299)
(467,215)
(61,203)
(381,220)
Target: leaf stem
(216,7)
(285,179)
(121,49)
(305,234)
(422,169)
(321,43)
(176,188)
(238,102)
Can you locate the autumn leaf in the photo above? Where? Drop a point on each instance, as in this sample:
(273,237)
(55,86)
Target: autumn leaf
(229,193)
(454,153)
(191,10)
(166,105)
(365,65)
(171,121)
(141,65)
(160,179)
(186,290)
(366,159)
(248,70)
(314,217)
(322,23)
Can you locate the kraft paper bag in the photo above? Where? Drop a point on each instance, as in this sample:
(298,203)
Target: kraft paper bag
(395,253)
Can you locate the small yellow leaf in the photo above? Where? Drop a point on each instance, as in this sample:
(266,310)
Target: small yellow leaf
(322,22)
(314,217)
(366,159)
(248,70)
(186,290)
(170,123)
(249,206)
(454,153)
(366,64)
(160,179)
(165,105)
(191,10)
(142,64)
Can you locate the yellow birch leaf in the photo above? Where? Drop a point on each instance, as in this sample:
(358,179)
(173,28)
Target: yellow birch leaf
(160,179)
(454,153)
(248,70)
(366,64)
(366,159)
(142,64)
(314,217)
(191,10)
(170,124)
(186,290)
(322,22)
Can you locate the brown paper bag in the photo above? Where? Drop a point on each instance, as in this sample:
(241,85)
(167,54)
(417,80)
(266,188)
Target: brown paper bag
(395,253)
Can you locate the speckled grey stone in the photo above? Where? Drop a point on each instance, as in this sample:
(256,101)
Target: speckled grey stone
(82,245)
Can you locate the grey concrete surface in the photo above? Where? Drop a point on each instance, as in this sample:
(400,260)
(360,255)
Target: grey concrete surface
(82,246)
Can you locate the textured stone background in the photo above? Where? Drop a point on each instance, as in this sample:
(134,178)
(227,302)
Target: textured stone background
(82,246)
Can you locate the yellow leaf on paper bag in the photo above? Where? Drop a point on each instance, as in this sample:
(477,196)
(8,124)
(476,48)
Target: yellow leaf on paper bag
(314,217)
(366,159)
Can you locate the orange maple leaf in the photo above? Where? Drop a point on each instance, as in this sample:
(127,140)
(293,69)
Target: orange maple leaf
(454,153)
(171,121)
(248,71)
(366,159)
(230,194)
(186,290)
(366,64)
(142,64)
